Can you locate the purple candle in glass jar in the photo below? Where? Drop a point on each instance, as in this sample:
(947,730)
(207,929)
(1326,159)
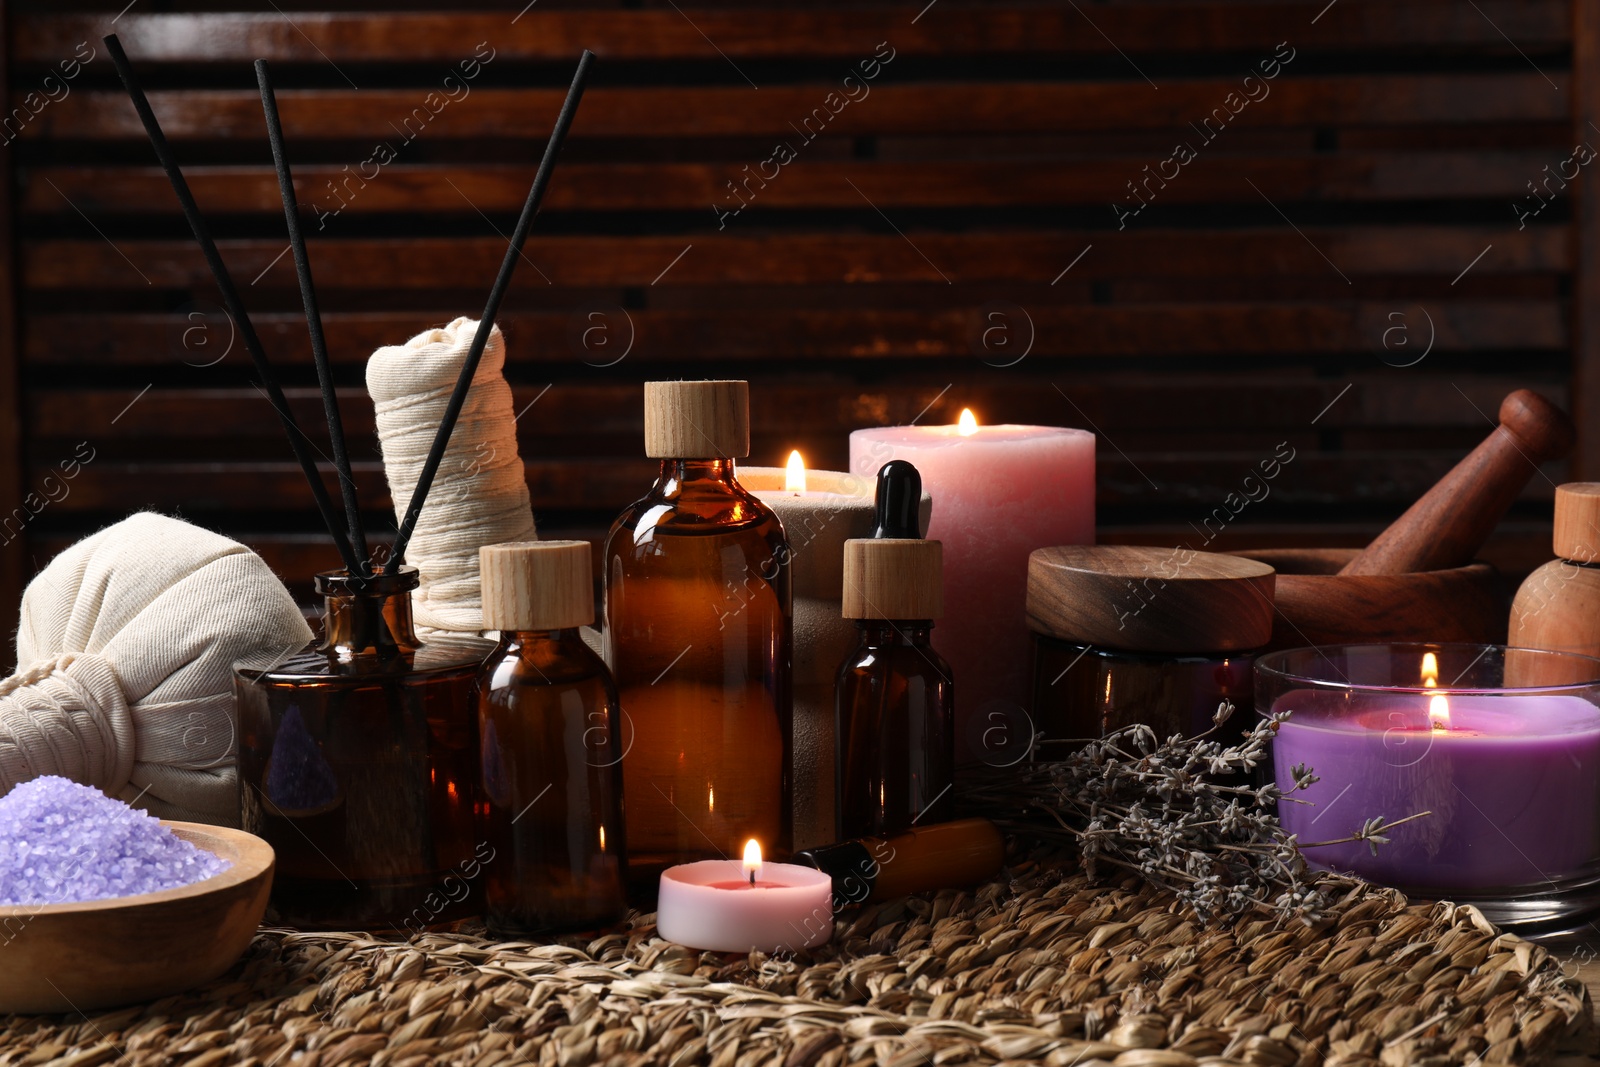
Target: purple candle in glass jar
(1509,774)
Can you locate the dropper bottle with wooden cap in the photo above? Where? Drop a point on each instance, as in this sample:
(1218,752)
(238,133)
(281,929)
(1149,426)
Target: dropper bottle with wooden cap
(1558,606)
(895,698)
(697,632)
(552,747)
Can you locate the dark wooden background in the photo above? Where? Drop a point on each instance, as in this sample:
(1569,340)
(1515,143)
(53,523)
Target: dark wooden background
(1371,199)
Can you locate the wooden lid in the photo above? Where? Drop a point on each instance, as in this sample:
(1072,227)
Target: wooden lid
(1150,599)
(536,585)
(697,420)
(893,578)
(1578,521)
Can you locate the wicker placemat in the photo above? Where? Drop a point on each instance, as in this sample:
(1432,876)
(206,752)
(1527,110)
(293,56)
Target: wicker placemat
(1042,966)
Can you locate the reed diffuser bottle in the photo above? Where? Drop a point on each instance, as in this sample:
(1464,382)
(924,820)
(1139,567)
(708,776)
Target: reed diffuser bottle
(697,633)
(357,759)
(895,698)
(552,751)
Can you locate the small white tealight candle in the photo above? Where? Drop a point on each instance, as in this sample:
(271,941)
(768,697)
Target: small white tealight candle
(734,906)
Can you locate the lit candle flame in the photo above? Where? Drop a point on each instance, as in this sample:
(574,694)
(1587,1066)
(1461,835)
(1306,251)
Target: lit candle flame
(602,839)
(967,424)
(752,860)
(794,475)
(1439,712)
(1430,670)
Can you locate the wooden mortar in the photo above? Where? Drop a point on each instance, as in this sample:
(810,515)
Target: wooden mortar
(1316,605)
(1417,580)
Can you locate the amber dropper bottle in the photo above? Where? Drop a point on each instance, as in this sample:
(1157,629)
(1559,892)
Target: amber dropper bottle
(697,633)
(895,698)
(552,747)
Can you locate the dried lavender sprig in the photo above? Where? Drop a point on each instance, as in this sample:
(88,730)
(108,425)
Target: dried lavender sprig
(1157,808)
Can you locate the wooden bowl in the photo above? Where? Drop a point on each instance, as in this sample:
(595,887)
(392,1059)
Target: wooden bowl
(1316,605)
(105,953)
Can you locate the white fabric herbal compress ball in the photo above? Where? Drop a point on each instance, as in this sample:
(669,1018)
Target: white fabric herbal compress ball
(125,661)
(480,492)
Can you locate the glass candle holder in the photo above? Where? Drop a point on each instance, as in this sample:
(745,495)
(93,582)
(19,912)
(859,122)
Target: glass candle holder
(1499,747)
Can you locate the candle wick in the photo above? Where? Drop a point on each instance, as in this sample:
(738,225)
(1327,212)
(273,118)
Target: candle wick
(752,878)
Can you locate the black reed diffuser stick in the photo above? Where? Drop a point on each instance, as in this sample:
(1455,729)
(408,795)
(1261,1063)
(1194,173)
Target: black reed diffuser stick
(308,297)
(447,425)
(298,441)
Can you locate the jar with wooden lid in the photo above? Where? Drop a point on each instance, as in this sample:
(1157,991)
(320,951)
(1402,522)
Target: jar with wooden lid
(1557,608)
(1125,635)
(551,735)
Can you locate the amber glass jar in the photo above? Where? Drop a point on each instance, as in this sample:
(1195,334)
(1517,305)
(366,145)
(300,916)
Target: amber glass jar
(697,634)
(357,763)
(1125,635)
(552,747)
(1083,691)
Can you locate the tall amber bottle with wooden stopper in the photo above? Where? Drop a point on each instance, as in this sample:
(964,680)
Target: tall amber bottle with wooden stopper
(550,730)
(895,698)
(697,632)
(1558,606)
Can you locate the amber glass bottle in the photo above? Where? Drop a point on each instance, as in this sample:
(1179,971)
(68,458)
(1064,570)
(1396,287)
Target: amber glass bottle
(896,699)
(552,748)
(897,758)
(697,633)
(357,759)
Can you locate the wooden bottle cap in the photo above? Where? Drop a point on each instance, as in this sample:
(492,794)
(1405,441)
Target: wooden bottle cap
(536,585)
(1577,535)
(893,578)
(1172,600)
(697,420)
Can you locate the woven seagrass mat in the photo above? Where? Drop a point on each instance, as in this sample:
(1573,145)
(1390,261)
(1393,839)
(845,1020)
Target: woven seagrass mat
(1040,966)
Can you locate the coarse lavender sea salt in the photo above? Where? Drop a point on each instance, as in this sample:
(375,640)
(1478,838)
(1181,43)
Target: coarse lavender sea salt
(62,842)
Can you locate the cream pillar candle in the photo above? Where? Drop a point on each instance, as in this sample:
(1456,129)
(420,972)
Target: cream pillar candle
(1001,492)
(820,512)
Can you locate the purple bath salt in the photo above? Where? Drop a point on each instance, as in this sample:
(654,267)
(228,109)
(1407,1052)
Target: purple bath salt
(62,842)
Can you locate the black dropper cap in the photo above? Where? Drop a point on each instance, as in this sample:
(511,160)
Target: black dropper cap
(899,501)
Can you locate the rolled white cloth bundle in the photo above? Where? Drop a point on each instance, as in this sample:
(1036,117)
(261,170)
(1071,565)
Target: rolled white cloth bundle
(480,493)
(126,654)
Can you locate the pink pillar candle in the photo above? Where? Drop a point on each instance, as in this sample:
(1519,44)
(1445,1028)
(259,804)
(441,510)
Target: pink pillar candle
(715,905)
(999,492)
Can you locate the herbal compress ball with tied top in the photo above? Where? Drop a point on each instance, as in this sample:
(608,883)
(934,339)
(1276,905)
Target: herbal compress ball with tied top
(127,648)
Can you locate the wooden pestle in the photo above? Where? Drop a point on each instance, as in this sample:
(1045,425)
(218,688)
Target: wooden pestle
(1451,521)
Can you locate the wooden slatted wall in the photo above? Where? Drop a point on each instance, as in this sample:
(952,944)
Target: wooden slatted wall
(1341,265)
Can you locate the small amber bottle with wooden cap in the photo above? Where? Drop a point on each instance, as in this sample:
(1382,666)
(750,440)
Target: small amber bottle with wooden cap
(895,699)
(551,736)
(1159,636)
(697,632)
(1557,607)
